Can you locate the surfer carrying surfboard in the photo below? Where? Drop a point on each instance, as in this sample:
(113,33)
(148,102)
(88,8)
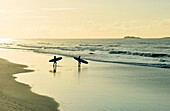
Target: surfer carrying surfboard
(55,61)
(80,61)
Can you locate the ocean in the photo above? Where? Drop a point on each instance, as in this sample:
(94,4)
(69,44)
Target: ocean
(142,52)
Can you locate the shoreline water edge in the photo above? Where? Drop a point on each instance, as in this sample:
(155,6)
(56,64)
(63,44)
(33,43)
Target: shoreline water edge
(16,96)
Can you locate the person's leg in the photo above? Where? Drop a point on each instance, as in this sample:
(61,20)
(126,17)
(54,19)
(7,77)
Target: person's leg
(79,64)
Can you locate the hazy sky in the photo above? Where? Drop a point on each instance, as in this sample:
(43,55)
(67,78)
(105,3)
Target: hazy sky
(84,18)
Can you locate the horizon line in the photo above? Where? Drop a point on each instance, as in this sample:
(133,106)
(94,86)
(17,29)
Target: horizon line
(96,38)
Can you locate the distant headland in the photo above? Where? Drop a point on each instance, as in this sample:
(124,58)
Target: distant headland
(131,37)
(166,38)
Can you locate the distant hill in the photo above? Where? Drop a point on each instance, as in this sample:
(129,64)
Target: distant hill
(166,38)
(131,37)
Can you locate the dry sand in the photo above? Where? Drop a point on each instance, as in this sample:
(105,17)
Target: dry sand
(16,96)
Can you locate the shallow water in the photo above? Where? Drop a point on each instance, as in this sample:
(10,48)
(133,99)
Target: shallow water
(97,86)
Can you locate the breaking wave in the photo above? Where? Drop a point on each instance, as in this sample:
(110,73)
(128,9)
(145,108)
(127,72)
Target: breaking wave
(143,53)
(140,54)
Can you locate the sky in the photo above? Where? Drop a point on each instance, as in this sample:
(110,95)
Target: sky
(84,18)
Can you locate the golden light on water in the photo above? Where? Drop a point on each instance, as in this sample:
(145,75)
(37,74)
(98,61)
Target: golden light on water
(5,41)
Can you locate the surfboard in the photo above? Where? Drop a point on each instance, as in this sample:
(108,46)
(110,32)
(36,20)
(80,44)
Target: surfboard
(54,60)
(81,60)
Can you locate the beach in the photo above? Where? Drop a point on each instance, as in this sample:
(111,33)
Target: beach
(16,96)
(84,55)
(123,47)
(97,86)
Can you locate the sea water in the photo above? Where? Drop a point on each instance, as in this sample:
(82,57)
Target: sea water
(144,52)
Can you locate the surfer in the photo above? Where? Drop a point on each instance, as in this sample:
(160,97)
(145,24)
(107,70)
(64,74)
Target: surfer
(79,62)
(55,62)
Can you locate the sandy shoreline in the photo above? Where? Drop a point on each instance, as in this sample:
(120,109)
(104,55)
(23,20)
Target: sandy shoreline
(16,96)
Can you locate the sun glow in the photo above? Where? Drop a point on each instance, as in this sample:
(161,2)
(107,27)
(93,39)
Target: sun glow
(5,41)
(84,18)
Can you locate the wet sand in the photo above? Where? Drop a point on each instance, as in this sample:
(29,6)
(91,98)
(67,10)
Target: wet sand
(16,96)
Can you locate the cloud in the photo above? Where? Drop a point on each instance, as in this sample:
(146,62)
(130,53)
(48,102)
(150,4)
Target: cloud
(31,17)
(59,9)
(15,11)
(19,17)
(37,10)
(21,14)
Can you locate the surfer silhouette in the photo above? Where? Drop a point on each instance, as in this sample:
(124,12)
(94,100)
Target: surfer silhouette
(80,61)
(55,62)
